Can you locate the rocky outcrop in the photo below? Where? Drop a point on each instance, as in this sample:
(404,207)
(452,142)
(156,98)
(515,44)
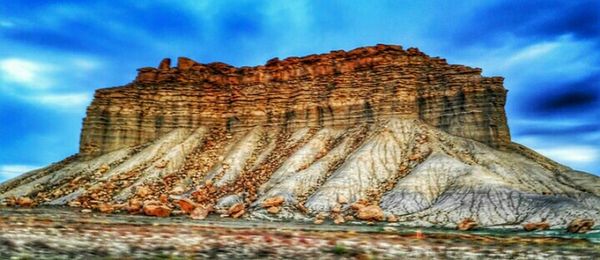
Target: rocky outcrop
(330,90)
(374,134)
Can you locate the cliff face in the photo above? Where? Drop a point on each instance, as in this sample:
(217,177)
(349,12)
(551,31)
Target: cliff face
(374,134)
(337,89)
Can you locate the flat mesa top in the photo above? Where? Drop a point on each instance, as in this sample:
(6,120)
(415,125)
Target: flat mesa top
(332,63)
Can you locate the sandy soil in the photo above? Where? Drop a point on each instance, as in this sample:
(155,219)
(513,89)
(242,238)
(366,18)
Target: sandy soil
(60,233)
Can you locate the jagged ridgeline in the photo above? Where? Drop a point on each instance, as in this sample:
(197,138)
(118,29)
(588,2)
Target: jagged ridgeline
(377,134)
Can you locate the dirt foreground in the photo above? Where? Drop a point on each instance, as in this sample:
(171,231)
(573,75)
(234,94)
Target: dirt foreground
(59,233)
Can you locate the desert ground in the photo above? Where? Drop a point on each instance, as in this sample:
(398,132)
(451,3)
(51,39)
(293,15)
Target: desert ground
(63,233)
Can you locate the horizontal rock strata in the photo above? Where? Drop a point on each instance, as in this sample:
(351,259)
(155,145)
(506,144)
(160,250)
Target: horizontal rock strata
(335,89)
(374,134)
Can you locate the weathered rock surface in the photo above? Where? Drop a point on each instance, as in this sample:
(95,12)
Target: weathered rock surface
(374,134)
(336,89)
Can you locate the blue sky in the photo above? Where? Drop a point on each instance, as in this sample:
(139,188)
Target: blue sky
(54,54)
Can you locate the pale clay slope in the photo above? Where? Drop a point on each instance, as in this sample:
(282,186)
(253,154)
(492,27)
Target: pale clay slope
(423,175)
(169,163)
(142,160)
(301,181)
(235,159)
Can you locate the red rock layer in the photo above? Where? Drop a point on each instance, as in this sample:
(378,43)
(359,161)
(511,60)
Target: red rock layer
(334,89)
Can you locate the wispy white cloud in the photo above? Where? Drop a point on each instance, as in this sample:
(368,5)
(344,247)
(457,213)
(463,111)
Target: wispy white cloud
(25,72)
(572,154)
(531,52)
(13,170)
(561,59)
(69,100)
(43,84)
(575,152)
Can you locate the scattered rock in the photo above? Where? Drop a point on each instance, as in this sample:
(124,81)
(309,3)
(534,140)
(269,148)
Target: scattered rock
(103,169)
(10,201)
(370,213)
(273,202)
(142,191)
(337,209)
(302,208)
(186,205)
(239,214)
(201,212)
(349,218)
(134,206)
(164,198)
(415,157)
(25,202)
(467,224)
(339,219)
(321,215)
(392,218)
(342,200)
(57,193)
(106,208)
(235,209)
(536,226)
(74,204)
(156,208)
(580,225)
(161,164)
(358,205)
(273,210)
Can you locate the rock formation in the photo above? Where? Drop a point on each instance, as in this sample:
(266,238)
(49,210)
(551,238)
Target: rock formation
(376,133)
(338,89)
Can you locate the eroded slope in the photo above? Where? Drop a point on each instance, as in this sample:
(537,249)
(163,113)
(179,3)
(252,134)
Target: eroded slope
(415,173)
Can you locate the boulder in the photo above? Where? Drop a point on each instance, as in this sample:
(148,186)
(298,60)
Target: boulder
(142,191)
(134,206)
(106,208)
(339,219)
(342,199)
(467,224)
(273,202)
(370,213)
(25,202)
(235,209)
(186,205)
(536,226)
(580,225)
(201,212)
(156,208)
(273,210)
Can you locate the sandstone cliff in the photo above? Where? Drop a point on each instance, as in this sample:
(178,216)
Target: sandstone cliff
(376,133)
(337,89)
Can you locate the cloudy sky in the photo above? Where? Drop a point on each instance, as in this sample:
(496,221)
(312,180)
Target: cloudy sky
(54,54)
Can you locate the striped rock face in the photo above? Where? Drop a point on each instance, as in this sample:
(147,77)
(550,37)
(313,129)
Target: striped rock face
(400,137)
